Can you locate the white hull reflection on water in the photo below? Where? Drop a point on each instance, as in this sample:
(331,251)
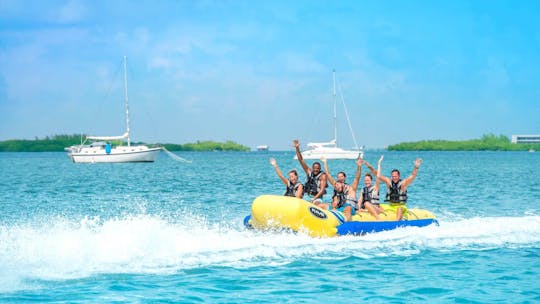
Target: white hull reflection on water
(167,237)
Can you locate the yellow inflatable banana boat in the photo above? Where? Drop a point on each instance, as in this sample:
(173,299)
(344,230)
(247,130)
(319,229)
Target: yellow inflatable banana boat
(283,212)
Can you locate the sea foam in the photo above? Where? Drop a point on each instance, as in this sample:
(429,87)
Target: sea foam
(61,249)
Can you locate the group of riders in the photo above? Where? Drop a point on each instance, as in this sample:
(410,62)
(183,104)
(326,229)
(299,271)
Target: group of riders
(345,197)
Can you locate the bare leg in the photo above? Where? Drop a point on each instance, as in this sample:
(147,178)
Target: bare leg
(399,213)
(321,205)
(347,212)
(372,210)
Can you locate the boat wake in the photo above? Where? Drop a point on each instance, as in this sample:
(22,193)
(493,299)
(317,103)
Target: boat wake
(62,249)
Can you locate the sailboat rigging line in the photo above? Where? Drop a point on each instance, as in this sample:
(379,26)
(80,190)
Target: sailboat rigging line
(127,103)
(335,111)
(175,157)
(347,115)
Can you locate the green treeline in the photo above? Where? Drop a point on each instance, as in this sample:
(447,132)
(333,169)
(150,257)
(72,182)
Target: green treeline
(57,143)
(207,146)
(488,142)
(47,144)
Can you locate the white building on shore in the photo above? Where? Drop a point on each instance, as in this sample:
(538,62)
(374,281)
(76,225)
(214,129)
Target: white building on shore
(525,139)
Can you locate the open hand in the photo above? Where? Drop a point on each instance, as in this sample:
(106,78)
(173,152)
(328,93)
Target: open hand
(273,162)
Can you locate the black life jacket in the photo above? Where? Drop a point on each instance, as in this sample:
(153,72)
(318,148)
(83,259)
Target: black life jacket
(395,194)
(369,196)
(343,197)
(336,193)
(292,189)
(313,183)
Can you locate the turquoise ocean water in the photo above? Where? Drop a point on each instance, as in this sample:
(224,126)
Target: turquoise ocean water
(173,232)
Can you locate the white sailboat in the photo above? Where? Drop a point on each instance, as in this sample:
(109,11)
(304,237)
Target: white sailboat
(101,149)
(262,148)
(330,149)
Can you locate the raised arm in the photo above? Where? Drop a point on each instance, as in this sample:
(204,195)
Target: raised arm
(274,164)
(356,180)
(327,171)
(370,167)
(378,176)
(410,179)
(384,179)
(299,156)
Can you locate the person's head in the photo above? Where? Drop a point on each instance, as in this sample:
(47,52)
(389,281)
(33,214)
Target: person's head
(341,176)
(293,176)
(395,175)
(368,180)
(316,168)
(339,186)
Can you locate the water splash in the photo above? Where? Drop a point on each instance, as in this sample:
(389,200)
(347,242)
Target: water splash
(61,249)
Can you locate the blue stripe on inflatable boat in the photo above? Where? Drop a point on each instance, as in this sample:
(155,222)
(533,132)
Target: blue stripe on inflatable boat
(246,222)
(366,227)
(339,216)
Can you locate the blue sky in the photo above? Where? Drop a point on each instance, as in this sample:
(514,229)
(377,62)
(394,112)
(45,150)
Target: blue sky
(260,72)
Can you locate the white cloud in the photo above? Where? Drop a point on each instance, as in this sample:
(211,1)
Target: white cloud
(71,11)
(142,35)
(159,63)
(302,63)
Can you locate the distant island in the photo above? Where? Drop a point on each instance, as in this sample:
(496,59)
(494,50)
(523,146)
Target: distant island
(57,143)
(488,142)
(207,146)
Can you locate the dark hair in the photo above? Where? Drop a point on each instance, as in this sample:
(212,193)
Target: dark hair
(294,171)
(396,170)
(342,173)
(369,175)
(316,163)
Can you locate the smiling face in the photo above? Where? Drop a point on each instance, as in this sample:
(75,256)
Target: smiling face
(293,177)
(367,180)
(339,187)
(316,168)
(395,176)
(341,177)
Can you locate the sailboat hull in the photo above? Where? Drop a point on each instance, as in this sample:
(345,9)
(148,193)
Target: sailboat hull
(122,154)
(330,153)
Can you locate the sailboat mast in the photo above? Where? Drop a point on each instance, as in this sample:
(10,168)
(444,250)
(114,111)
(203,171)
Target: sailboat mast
(127,104)
(335,116)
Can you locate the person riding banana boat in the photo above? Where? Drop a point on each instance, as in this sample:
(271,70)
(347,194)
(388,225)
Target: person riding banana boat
(294,187)
(369,195)
(396,194)
(344,198)
(315,186)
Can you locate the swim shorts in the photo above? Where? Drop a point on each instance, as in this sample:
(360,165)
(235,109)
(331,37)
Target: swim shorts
(393,207)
